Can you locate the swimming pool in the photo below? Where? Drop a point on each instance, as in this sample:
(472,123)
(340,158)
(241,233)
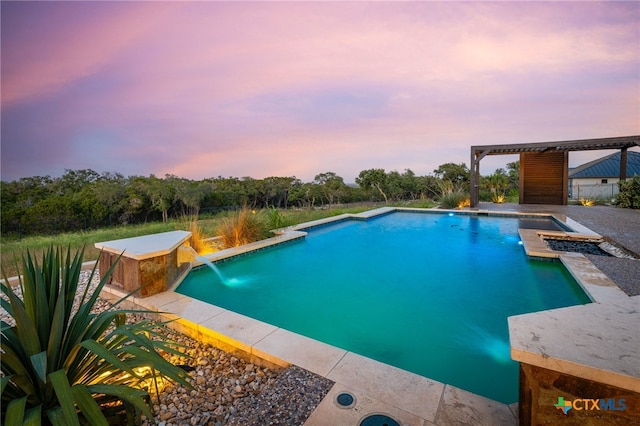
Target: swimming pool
(428,293)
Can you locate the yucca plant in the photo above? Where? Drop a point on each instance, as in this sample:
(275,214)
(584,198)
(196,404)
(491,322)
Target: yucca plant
(587,202)
(498,198)
(68,366)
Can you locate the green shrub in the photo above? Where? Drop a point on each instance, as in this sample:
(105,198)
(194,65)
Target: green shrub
(513,196)
(484,195)
(629,195)
(275,218)
(68,366)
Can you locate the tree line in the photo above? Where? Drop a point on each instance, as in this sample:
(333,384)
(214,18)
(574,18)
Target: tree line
(83,199)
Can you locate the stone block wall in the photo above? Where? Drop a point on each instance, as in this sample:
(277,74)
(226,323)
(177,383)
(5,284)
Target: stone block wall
(152,275)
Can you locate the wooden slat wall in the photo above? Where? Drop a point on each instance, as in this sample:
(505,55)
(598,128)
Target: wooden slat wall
(544,178)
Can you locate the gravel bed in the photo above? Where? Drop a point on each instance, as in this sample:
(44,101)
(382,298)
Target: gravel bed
(583,247)
(623,272)
(231,391)
(228,390)
(289,401)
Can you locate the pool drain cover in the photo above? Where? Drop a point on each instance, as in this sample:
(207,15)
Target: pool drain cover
(378,420)
(345,400)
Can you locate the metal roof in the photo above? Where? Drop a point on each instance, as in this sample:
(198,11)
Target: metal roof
(571,145)
(607,167)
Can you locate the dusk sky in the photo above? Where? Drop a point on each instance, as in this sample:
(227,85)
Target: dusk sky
(206,89)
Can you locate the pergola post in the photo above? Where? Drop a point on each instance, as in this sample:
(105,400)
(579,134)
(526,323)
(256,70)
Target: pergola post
(474,176)
(623,164)
(473,199)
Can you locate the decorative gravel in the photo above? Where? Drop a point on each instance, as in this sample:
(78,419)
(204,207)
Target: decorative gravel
(228,390)
(583,247)
(288,401)
(623,272)
(231,391)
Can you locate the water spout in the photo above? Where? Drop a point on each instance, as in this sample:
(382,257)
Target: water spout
(213,267)
(188,254)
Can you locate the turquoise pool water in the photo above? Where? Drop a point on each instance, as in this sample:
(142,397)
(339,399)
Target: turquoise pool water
(428,293)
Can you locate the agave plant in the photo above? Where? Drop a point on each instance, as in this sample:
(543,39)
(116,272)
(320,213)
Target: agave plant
(587,202)
(68,366)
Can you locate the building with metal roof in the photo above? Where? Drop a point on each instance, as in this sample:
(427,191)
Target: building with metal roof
(598,179)
(607,167)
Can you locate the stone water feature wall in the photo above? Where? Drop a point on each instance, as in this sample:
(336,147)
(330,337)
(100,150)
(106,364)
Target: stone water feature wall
(153,275)
(149,263)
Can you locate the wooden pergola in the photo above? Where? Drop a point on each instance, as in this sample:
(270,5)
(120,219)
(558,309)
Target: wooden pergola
(544,166)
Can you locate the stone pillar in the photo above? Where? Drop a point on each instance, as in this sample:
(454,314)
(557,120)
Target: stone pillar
(592,403)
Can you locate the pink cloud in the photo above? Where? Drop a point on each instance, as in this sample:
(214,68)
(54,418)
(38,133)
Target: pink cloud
(288,88)
(74,40)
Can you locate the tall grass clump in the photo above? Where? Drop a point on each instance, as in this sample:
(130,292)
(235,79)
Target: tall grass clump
(241,227)
(451,195)
(200,242)
(64,364)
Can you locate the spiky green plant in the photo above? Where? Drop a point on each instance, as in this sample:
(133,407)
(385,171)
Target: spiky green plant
(275,218)
(68,366)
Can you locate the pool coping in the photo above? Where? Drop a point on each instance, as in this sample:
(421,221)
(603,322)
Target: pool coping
(408,397)
(146,246)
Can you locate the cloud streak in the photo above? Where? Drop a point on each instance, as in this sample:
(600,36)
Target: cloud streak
(203,89)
